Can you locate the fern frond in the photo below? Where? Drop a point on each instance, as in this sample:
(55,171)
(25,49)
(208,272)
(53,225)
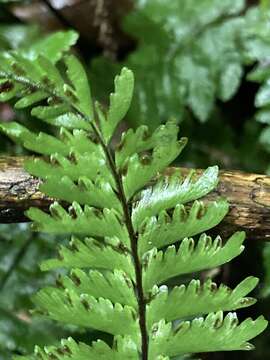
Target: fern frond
(122,232)
(86,192)
(30,99)
(116,285)
(197,299)
(78,79)
(69,349)
(149,166)
(88,221)
(170,191)
(49,113)
(56,89)
(119,103)
(68,120)
(190,257)
(86,311)
(52,46)
(43,143)
(140,141)
(214,333)
(166,229)
(75,166)
(92,253)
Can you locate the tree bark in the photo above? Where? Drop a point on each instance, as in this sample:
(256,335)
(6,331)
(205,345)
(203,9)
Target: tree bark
(99,22)
(248,195)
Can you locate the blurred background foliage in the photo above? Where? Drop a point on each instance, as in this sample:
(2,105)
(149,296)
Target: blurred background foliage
(204,63)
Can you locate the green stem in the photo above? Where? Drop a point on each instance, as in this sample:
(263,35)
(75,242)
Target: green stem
(134,246)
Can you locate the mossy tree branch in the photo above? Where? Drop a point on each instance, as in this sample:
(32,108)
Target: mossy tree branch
(248,194)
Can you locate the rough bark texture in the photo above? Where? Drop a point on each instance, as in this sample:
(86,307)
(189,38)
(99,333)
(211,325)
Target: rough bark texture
(97,21)
(18,191)
(248,194)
